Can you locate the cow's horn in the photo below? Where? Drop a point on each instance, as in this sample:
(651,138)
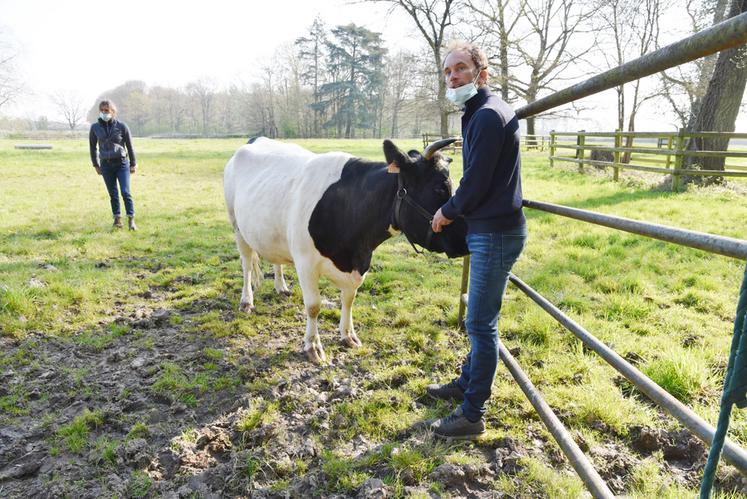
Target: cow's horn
(435,146)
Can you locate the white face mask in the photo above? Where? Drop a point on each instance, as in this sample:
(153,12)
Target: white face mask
(461,95)
(105,116)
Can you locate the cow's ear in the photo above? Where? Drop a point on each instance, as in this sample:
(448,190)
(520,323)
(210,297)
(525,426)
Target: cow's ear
(395,157)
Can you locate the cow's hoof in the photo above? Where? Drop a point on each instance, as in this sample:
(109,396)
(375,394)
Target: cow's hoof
(315,353)
(283,292)
(246,307)
(352,341)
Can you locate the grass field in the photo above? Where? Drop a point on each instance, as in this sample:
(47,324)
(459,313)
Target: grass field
(66,278)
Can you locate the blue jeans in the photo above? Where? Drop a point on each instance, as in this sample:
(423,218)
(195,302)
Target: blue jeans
(114,171)
(492,255)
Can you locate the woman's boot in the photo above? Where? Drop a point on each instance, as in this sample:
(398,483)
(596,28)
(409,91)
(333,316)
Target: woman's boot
(117,222)
(131,222)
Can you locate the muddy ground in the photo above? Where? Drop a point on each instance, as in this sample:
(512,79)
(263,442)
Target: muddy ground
(187,442)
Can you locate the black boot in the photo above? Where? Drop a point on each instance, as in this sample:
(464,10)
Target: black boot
(457,426)
(117,222)
(450,391)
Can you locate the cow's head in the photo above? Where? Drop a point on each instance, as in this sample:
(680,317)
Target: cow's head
(425,179)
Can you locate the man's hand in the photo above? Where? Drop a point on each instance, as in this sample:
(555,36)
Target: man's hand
(439,221)
(133,168)
(98,169)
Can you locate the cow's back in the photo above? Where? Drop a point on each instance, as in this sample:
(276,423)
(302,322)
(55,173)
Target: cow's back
(271,188)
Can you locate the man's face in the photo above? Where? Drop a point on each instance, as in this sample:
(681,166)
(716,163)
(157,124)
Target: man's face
(459,69)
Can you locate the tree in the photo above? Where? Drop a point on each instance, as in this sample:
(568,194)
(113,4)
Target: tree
(400,69)
(498,20)
(203,93)
(71,107)
(311,53)
(355,61)
(633,26)
(546,50)
(720,105)
(432,18)
(683,87)
(10,85)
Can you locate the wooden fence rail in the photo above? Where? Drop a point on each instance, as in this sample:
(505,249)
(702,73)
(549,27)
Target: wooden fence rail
(533,142)
(670,145)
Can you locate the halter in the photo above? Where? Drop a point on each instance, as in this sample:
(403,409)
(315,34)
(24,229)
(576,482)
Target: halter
(402,195)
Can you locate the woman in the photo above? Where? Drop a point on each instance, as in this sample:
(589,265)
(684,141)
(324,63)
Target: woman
(116,159)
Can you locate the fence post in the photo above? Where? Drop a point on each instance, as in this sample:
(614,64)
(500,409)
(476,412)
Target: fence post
(552,147)
(463,293)
(580,141)
(670,144)
(679,159)
(616,156)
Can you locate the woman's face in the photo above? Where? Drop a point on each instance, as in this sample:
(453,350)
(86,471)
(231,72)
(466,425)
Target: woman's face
(105,109)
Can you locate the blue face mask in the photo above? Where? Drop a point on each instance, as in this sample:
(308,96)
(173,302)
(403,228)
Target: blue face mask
(461,95)
(105,116)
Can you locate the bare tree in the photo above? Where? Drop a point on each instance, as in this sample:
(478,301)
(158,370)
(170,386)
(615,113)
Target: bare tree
(70,105)
(312,54)
(683,87)
(10,84)
(632,28)
(497,20)
(546,49)
(721,104)
(400,69)
(203,92)
(432,18)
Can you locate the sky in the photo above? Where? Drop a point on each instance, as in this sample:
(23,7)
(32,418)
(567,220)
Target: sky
(91,46)
(87,47)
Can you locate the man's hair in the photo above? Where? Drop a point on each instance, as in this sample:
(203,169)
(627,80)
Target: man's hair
(111,105)
(477,55)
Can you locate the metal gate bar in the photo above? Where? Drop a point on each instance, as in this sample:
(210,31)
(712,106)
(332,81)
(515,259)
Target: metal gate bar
(578,460)
(727,246)
(732,452)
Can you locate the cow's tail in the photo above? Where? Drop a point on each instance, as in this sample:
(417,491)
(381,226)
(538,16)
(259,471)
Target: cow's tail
(256,271)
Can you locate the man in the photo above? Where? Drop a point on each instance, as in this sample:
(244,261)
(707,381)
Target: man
(489,198)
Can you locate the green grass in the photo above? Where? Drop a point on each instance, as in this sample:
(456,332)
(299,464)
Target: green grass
(670,306)
(74,436)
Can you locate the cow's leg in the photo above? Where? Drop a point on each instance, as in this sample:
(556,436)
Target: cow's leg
(247,295)
(312,300)
(280,287)
(347,332)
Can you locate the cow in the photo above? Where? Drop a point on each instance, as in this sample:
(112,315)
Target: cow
(326,213)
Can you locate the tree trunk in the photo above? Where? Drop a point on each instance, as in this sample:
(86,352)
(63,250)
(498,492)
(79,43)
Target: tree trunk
(707,66)
(442,105)
(720,106)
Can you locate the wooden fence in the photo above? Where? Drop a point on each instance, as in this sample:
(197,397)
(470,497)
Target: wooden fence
(533,142)
(668,148)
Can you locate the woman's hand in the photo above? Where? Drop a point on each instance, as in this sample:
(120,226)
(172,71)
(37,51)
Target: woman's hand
(98,169)
(133,168)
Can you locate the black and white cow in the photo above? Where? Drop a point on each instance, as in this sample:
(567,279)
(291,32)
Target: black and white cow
(326,213)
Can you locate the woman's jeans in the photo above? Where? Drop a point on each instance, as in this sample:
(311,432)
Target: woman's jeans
(114,171)
(492,255)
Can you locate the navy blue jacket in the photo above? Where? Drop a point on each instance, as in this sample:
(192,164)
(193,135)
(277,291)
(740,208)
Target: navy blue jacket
(113,138)
(489,194)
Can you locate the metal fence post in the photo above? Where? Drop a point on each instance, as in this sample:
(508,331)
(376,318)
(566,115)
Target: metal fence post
(552,147)
(678,160)
(580,141)
(616,156)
